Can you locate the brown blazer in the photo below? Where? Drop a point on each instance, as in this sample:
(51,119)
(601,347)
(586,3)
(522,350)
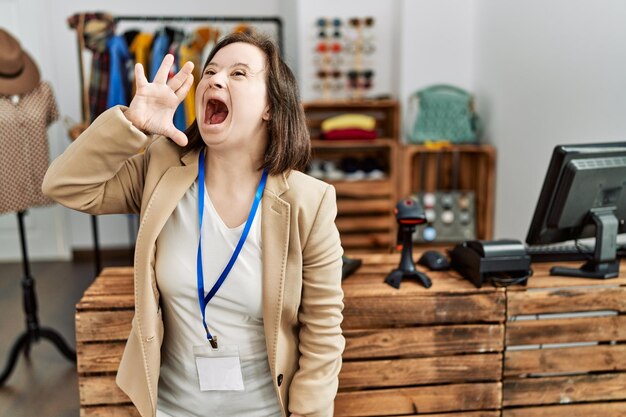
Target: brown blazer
(104,171)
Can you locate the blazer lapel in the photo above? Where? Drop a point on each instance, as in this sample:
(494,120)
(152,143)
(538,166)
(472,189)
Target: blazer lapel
(275,244)
(166,195)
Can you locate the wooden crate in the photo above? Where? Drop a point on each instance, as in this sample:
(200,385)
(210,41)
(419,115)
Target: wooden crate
(574,360)
(365,220)
(103,321)
(427,169)
(420,351)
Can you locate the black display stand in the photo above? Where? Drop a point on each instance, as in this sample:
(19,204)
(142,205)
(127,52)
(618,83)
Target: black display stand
(33,332)
(96,245)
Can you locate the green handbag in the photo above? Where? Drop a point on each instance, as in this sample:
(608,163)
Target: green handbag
(445,113)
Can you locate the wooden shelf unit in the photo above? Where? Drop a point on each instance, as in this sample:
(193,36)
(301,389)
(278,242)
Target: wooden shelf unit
(565,346)
(365,219)
(426,169)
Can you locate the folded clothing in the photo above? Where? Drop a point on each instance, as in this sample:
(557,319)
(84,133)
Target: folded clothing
(349,121)
(349,134)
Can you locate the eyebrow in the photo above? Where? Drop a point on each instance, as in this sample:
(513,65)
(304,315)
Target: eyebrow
(236,64)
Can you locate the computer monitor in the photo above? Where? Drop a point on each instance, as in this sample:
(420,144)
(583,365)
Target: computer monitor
(584,195)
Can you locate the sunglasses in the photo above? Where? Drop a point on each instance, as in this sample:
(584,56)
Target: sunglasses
(328,74)
(323,47)
(360,79)
(365,22)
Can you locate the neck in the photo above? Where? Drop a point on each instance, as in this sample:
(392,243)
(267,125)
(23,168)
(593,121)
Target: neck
(227,169)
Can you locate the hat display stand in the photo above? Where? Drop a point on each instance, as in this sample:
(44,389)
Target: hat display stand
(33,331)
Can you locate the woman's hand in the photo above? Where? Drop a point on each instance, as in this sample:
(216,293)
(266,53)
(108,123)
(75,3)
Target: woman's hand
(296,415)
(152,109)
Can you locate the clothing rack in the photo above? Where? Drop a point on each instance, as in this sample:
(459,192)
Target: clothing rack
(130,18)
(215,19)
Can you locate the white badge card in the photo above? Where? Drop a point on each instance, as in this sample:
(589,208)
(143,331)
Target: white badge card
(218,369)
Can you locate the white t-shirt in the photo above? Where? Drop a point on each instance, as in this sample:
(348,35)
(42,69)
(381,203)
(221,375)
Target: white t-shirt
(234,315)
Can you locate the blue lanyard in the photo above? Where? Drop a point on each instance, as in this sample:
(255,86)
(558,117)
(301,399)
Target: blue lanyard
(204,300)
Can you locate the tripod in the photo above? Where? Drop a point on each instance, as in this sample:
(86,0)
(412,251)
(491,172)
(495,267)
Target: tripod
(33,332)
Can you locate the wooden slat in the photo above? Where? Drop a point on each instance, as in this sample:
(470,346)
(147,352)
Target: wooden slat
(374,205)
(364,189)
(542,279)
(99,357)
(566,300)
(110,411)
(369,281)
(427,399)
(100,390)
(463,414)
(107,302)
(352,144)
(98,326)
(423,341)
(111,284)
(117,270)
(565,360)
(375,312)
(563,390)
(363,224)
(366,240)
(617,409)
(587,329)
(422,371)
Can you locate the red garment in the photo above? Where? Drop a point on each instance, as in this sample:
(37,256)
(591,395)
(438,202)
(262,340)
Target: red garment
(349,134)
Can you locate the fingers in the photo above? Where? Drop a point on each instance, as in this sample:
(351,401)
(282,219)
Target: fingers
(176,135)
(164,69)
(140,76)
(182,92)
(182,76)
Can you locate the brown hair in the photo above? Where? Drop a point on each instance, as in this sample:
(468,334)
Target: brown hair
(289,145)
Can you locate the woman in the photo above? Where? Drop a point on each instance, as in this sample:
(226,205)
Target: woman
(268,342)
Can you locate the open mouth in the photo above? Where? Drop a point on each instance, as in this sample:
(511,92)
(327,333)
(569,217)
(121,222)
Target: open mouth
(216,112)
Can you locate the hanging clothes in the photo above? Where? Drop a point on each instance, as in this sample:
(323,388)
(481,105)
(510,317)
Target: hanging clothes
(98,27)
(140,49)
(118,70)
(24,156)
(160,47)
(192,51)
(187,53)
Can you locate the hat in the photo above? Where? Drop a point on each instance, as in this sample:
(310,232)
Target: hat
(18,72)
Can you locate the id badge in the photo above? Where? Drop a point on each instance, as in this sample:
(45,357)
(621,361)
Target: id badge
(218,369)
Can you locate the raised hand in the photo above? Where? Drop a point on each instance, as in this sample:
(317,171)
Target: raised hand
(152,109)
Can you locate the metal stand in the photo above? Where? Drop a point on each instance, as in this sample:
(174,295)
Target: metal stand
(96,245)
(33,332)
(605,263)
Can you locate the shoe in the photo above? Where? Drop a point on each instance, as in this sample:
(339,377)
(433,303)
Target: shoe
(316,169)
(332,172)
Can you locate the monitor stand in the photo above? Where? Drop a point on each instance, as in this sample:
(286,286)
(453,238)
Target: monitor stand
(605,263)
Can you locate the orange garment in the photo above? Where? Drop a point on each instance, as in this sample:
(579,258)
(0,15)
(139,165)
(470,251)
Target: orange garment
(187,53)
(140,48)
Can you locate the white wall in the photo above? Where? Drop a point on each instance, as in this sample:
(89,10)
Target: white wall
(437,46)
(546,73)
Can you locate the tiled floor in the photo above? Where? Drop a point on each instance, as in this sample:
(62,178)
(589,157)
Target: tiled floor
(46,385)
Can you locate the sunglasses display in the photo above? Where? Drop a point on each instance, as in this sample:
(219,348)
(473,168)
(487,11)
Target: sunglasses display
(341,56)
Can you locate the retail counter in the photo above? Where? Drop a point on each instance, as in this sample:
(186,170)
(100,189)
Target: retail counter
(452,350)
